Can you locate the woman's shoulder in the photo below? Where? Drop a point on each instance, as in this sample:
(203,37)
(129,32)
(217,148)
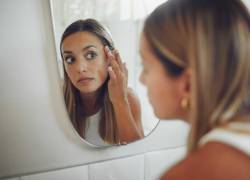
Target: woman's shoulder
(134,103)
(214,160)
(133,98)
(131,92)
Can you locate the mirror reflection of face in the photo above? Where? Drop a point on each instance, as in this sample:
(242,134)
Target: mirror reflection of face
(85,61)
(163,90)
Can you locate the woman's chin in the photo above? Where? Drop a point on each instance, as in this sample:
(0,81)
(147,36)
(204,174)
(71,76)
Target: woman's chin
(159,115)
(163,115)
(88,89)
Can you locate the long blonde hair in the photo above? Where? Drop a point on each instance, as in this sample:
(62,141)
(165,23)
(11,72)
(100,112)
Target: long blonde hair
(211,37)
(107,127)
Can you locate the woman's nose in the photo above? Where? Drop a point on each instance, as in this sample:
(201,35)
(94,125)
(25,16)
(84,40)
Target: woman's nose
(81,65)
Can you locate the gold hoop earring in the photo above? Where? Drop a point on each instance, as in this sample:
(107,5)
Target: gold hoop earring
(185,103)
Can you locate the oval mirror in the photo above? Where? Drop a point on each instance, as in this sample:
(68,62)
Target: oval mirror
(106,103)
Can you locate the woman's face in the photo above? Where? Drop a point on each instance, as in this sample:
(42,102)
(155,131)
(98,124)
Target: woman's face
(85,61)
(164,92)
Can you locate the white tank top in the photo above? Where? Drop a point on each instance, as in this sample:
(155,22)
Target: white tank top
(238,140)
(92,130)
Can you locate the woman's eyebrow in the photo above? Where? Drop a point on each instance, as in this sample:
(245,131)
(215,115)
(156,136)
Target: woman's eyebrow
(84,49)
(67,52)
(89,46)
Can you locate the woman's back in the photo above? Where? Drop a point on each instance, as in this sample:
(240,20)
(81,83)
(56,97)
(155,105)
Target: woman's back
(214,161)
(221,150)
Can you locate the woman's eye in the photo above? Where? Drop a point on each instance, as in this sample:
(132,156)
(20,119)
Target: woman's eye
(90,55)
(69,59)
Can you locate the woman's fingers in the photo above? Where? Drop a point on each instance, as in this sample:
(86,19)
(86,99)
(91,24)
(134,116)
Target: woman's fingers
(114,55)
(114,65)
(111,74)
(118,59)
(125,70)
(112,60)
(106,51)
(118,69)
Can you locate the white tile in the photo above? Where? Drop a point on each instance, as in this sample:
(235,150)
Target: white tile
(131,168)
(75,173)
(156,163)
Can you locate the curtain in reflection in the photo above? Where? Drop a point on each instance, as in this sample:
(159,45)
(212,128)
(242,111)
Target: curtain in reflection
(104,10)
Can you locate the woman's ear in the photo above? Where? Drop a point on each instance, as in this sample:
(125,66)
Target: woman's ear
(185,83)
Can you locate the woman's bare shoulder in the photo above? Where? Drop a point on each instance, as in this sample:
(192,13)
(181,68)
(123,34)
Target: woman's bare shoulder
(133,99)
(214,160)
(135,106)
(132,93)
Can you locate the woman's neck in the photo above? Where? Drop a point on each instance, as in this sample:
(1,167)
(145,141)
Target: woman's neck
(89,103)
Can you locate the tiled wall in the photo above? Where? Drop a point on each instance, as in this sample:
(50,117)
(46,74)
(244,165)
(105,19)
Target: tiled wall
(147,166)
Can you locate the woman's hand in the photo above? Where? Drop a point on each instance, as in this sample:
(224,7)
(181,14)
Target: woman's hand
(126,105)
(118,73)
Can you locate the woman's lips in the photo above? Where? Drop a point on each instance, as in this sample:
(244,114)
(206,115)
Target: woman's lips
(84,81)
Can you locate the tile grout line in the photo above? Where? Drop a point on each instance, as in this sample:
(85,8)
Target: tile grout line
(144,166)
(88,172)
(90,163)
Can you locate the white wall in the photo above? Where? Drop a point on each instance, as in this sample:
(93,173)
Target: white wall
(36,137)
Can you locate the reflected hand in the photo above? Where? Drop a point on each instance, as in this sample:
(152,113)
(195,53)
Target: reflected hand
(117,85)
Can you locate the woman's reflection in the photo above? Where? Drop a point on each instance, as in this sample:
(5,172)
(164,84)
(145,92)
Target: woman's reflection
(102,108)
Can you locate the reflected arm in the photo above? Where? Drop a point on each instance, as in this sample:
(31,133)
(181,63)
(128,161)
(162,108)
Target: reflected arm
(128,117)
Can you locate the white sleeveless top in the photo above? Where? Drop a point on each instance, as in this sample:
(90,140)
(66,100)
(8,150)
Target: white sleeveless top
(92,130)
(238,140)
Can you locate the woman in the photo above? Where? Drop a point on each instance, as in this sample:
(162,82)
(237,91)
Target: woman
(101,107)
(199,50)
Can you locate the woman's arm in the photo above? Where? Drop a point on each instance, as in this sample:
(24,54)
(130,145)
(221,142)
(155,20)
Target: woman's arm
(135,107)
(128,116)
(125,102)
